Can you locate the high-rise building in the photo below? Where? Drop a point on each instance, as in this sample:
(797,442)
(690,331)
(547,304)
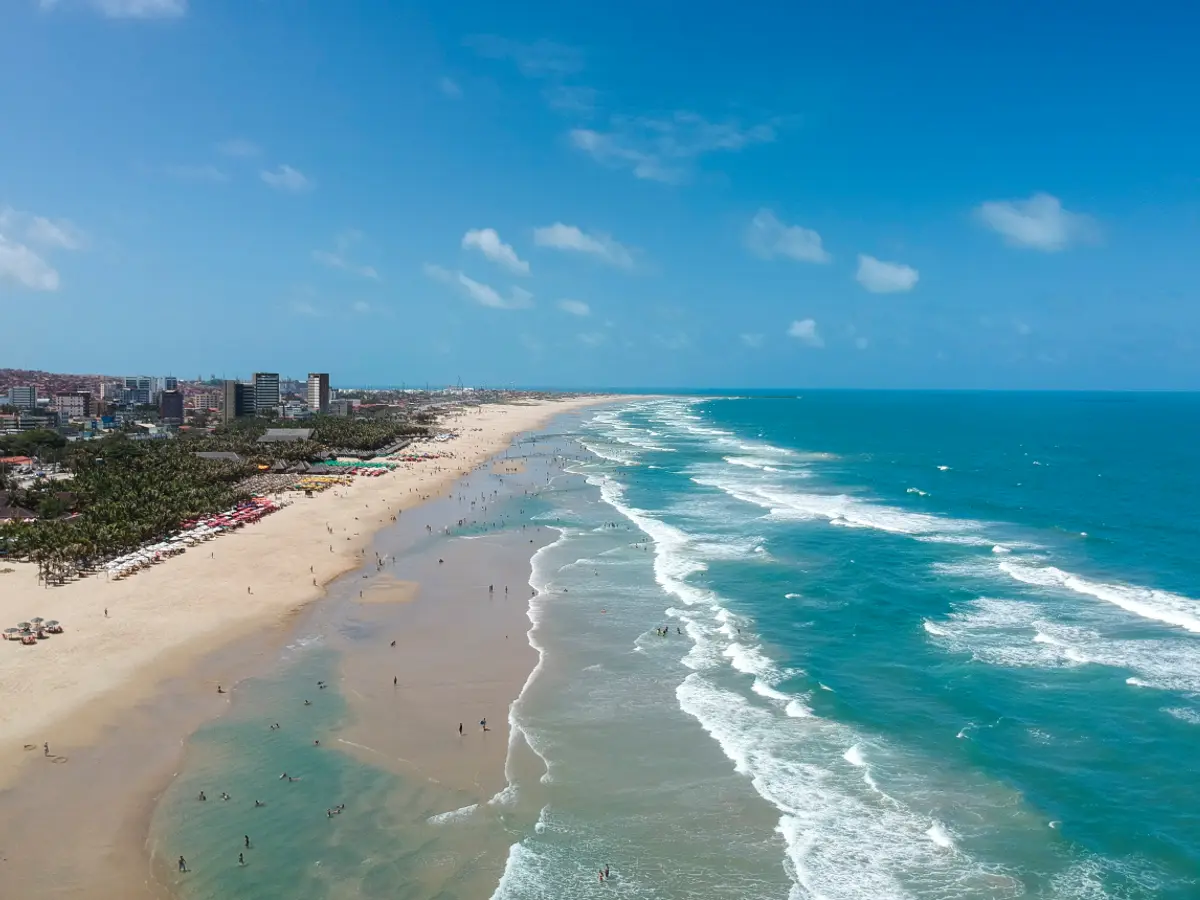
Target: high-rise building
(237,400)
(73,404)
(22,396)
(318,392)
(137,391)
(170,407)
(266,391)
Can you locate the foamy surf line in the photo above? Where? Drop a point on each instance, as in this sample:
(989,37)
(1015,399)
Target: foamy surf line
(516,731)
(1148,603)
(824,825)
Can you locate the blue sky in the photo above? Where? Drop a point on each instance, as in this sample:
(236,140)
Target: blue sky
(992,195)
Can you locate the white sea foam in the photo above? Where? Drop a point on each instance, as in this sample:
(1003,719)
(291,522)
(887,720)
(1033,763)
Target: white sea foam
(939,835)
(828,825)
(1149,603)
(854,756)
(842,509)
(539,580)
(1024,633)
(1184,714)
(455,815)
(791,596)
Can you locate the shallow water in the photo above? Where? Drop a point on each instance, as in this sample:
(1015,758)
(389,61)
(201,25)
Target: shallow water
(917,646)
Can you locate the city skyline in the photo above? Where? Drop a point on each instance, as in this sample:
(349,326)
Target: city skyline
(760,198)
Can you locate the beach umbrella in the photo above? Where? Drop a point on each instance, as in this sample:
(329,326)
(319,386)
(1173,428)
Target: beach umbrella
(12,630)
(52,622)
(24,626)
(37,620)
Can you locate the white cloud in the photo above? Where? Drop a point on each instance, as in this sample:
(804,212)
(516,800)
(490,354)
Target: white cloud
(337,259)
(23,267)
(575,307)
(1039,223)
(20,233)
(285,178)
(483,294)
(568,237)
(60,234)
(665,149)
(450,88)
(238,147)
(488,242)
(862,343)
(142,9)
(753,340)
(768,237)
(304,308)
(209,173)
(805,331)
(131,9)
(881,277)
(540,59)
(593,338)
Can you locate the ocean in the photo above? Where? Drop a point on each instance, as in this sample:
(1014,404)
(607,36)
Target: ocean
(830,646)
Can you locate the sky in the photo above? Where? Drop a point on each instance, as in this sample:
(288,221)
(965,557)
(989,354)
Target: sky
(766,195)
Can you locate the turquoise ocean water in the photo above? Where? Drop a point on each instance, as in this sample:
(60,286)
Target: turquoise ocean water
(918,646)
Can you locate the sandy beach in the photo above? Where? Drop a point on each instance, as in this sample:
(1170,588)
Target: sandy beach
(162,619)
(144,656)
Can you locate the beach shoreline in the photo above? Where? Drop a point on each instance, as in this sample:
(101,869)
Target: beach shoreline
(123,681)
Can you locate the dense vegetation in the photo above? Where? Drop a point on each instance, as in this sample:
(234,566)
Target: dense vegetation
(40,442)
(129,493)
(330,433)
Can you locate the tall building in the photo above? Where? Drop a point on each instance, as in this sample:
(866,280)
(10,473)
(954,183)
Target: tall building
(237,400)
(266,391)
(318,392)
(22,396)
(170,407)
(73,404)
(205,400)
(137,391)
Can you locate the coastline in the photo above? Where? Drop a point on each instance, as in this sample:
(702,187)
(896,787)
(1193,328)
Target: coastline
(156,668)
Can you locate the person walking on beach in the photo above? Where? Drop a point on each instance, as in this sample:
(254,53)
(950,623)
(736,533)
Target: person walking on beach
(182,864)
(241,860)
(246,838)
(460,729)
(46,749)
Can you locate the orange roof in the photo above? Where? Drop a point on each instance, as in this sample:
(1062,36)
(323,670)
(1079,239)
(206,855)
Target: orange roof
(16,460)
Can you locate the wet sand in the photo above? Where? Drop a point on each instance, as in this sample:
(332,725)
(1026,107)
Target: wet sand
(124,637)
(77,829)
